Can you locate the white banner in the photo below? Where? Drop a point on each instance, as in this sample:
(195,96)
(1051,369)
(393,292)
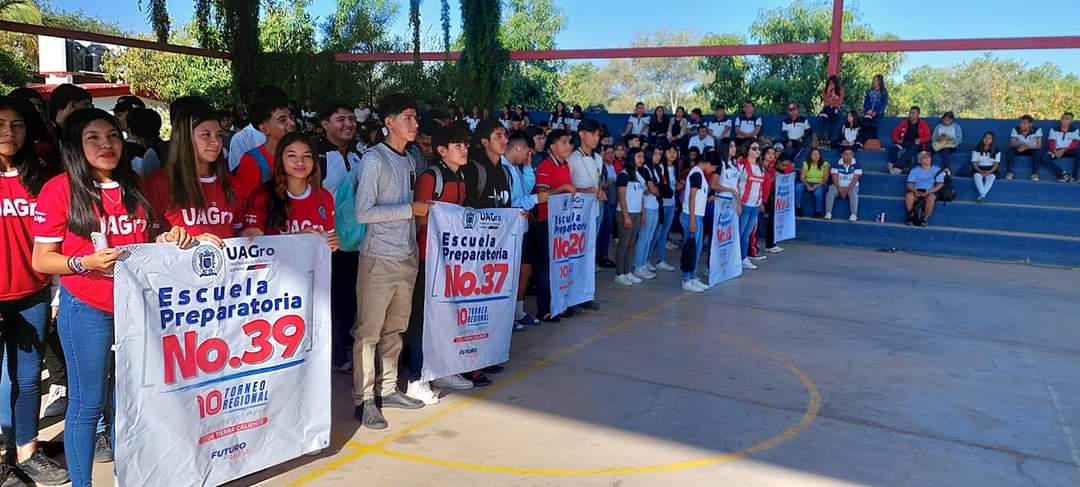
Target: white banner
(784,223)
(725,257)
(572,249)
(472,270)
(222,359)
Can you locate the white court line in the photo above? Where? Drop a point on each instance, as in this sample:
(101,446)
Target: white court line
(1062,421)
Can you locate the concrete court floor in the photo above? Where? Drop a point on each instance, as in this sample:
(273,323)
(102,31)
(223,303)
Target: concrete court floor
(824,367)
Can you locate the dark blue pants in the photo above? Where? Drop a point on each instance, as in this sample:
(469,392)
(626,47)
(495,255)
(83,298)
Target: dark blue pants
(343,267)
(903,156)
(87,336)
(23,326)
(414,335)
(819,196)
(603,238)
(541,276)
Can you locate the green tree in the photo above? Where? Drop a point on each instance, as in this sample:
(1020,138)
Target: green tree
(483,59)
(360,26)
(444,18)
(533,25)
(169,76)
(728,73)
(777,80)
(158,15)
(22,11)
(577,86)
(17,50)
(654,81)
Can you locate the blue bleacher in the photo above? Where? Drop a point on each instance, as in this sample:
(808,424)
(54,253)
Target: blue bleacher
(1022,221)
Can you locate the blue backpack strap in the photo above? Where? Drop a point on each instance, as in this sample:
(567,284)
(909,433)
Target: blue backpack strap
(264,165)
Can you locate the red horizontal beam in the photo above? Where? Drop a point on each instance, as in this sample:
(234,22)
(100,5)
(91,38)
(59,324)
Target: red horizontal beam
(110,39)
(993,44)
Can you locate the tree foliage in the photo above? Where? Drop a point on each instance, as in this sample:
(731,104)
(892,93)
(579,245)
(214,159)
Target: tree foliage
(726,75)
(533,25)
(169,76)
(444,18)
(483,59)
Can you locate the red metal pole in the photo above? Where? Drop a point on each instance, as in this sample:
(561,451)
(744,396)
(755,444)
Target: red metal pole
(835,38)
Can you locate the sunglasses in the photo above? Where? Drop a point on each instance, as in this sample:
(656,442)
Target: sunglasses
(755,148)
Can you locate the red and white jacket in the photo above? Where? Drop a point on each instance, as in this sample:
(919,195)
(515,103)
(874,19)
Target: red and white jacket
(1061,139)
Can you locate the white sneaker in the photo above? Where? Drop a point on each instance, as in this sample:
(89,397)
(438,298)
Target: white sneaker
(664,267)
(701,285)
(689,287)
(421,391)
(746,264)
(828,216)
(670,246)
(650,267)
(634,279)
(853,218)
(643,273)
(775,249)
(455,382)
(758,257)
(623,281)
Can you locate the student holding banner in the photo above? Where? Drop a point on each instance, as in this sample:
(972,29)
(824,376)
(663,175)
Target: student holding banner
(193,191)
(442,182)
(24,296)
(518,158)
(83,220)
(388,265)
(586,170)
(779,164)
(751,182)
(552,177)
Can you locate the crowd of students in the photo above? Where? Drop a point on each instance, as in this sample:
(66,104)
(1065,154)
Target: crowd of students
(78,184)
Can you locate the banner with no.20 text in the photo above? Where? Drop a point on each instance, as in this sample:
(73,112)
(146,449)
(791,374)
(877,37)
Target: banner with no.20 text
(222,358)
(572,249)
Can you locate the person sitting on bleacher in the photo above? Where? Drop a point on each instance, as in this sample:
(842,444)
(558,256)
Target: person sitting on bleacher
(985,159)
(795,132)
(702,140)
(1025,140)
(923,183)
(910,137)
(851,134)
(845,178)
(947,138)
(1064,141)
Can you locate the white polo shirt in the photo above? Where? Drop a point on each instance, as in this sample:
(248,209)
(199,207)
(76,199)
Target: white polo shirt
(638,126)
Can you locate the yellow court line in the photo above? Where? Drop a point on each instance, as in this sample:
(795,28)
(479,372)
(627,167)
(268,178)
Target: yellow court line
(364,449)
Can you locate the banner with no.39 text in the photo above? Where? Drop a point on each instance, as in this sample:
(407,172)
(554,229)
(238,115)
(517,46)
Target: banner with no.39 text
(572,249)
(222,358)
(472,266)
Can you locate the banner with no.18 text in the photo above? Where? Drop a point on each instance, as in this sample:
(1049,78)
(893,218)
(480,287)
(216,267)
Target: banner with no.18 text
(222,358)
(473,260)
(572,249)
(784,223)
(725,255)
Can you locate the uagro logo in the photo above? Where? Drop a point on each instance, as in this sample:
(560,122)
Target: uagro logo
(230,453)
(207,261)
(249,252)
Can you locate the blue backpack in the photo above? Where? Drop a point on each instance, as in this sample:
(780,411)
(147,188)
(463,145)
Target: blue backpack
(349,232)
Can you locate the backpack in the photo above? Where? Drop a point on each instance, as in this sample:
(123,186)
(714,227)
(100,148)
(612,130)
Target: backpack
(947,192)
(481,179)
(350,233)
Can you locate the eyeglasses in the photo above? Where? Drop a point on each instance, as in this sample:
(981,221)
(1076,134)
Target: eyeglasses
(755,148)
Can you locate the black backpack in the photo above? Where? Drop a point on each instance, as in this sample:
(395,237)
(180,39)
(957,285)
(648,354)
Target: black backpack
(947,192)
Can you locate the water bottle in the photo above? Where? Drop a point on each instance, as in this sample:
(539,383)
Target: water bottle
(880,217)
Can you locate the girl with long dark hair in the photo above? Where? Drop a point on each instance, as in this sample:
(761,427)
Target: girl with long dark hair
(293,201)
(751,186)
(874,104)
(630,187)
(558,116)
(985,159)
(193,191)
(96,200)
(658,127)
(650,174)
(851,133)
(813,178)
(24,295)
(667,172)
(832,116)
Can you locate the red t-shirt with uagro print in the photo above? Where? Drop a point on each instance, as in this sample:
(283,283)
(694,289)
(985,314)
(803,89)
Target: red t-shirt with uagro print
(51,226)
(219,217)
(16,230)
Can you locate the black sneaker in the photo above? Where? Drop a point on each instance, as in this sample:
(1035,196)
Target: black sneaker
(494,369)
(103,452)
(43,470)
(397,400)
(369,416)
(478,379)
(591,305)
(9,477)
(551,319)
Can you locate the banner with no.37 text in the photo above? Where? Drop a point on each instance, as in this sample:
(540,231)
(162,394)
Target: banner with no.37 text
(784,223)
(222,358)
(572,249)
(473,260)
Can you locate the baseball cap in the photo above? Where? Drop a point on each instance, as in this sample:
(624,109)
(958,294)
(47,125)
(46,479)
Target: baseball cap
(778,146)
(128,102)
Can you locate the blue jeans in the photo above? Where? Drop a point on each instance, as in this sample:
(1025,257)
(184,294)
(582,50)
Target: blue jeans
(603,239)
(659,240)
(684,219)
(23,324)
(645,237)
(747,223)
(87,336)
(819,196)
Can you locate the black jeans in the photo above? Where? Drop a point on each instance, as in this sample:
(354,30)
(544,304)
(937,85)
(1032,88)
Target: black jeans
(1059,170)
(767,218)
(541,269)
(1035,154)
(904,155)
(344,266)
(414,335)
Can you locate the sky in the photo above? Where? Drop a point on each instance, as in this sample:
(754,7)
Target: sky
(613,23)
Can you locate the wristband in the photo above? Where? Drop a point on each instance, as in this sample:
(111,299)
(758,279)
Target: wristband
(75,264)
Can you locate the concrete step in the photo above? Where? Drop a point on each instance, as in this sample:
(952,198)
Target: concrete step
(965,214)
(1016,191)
(993,245)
